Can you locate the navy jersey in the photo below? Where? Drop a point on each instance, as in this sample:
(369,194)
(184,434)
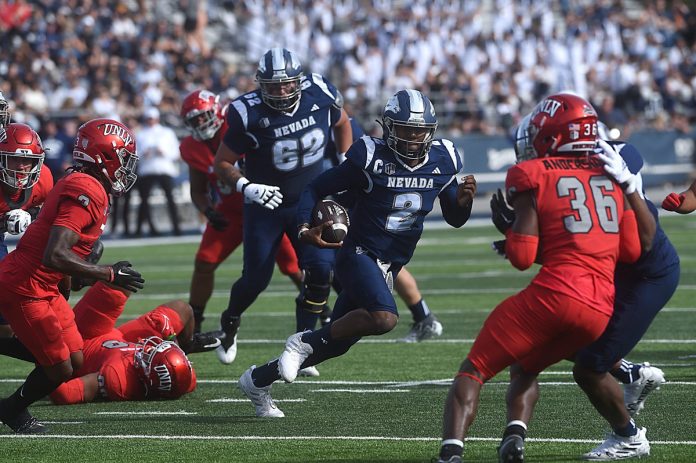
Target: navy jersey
(392,199)
(284,149)
(662,256)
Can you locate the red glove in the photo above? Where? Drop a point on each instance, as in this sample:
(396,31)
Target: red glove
(673,201)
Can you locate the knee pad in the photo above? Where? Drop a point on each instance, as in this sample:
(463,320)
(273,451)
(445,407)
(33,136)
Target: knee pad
(316,289)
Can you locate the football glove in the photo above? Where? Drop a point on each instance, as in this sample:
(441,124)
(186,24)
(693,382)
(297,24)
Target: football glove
(673,201)
(503,216)
(124,276)
(17,221)
(499,248)
(217,220)
(268,196)
(615,166)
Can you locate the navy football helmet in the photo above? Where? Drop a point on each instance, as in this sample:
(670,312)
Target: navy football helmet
(523,148)
(4,111)
(279,75)
(409,124)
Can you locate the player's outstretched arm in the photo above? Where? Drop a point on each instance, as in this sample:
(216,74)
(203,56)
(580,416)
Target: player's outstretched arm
(683,203)
(522,239)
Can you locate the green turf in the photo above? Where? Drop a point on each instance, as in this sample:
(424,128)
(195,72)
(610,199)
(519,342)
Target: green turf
(462,280)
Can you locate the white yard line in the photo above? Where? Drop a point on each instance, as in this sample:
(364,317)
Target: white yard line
(181,412)
(312,438)
(246,401)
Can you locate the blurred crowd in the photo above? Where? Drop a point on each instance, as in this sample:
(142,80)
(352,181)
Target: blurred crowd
(483,63)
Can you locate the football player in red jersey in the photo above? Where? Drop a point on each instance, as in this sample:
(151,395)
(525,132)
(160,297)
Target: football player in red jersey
(25,184)
(55,245)
(138,360)
(204,116)
(575,221)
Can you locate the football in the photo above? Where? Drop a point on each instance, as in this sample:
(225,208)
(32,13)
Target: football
(328,210)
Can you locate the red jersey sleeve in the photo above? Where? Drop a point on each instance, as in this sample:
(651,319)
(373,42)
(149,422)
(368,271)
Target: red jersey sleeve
(42,188)
(119,382)
(86,192)
(629,244)
(68,393)
(196,155)
(520,177)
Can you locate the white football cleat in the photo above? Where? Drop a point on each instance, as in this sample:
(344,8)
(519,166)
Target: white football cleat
(427,328)
(226,353)
(650,379)
(617,447)
(295,353)
(259,396)
(309,371)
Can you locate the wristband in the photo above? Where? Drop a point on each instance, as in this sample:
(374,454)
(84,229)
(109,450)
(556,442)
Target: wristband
(241,184)
(111,274)
(301,229)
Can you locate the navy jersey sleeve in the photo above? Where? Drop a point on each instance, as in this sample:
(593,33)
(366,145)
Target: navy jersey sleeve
(346,176)
(236,137)
(630,154)
(332,93)
(453,214)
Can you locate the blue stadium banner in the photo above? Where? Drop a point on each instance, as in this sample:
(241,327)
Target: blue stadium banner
(670,157)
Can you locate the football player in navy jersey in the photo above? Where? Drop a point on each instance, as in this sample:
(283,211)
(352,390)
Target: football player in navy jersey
(642,289)
(396,180)
(425,325)
(282,129)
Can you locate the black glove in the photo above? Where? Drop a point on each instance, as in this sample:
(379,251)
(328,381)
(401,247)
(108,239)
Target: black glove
(123,275)
(499,248)
(216,219)
(503,216)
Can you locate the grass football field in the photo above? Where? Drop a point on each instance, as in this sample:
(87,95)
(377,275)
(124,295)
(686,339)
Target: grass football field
(381,402)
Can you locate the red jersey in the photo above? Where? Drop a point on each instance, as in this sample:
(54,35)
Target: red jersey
(30,197)
(580,213)
(114,359)
(200,155)
(78,202)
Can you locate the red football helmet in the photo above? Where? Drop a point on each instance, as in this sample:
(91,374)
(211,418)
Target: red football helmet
(563,124)
(107,148)
(21,156)
(166,370)
(202,114)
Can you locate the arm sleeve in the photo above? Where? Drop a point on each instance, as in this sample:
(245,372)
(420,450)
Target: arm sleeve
(520,249)
(73,215)
(345,176)
(629,245)
(68,393)
(454,215)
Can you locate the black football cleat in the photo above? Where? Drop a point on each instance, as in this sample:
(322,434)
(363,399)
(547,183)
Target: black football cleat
(204,342)
(511,449)
(24,423)
(227,350)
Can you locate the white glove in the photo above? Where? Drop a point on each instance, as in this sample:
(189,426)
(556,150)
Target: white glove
(17,221)
(615,166)
(268,196)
